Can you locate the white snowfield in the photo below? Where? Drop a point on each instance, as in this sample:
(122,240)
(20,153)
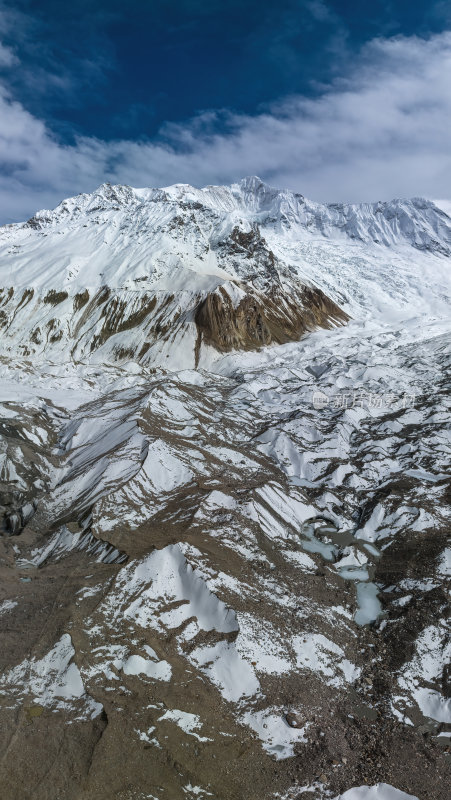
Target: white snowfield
(222,497)
(382,791)
(54,681)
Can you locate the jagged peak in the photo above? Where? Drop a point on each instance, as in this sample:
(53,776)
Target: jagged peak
(108,189)
(253,183)
(417,222)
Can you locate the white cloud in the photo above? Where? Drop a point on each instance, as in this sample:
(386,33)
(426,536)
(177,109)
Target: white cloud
(381,132)
(7,57)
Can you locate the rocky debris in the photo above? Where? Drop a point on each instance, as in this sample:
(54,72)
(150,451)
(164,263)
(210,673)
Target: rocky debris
(201,526)
(294,719)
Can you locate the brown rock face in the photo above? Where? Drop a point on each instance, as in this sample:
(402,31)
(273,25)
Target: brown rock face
(260,319)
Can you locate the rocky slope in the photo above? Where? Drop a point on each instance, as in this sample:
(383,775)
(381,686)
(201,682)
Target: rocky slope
(225,582)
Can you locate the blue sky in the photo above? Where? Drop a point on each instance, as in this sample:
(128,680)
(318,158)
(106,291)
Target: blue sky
(339,100)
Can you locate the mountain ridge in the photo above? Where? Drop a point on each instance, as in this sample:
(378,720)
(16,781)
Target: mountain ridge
(153,274)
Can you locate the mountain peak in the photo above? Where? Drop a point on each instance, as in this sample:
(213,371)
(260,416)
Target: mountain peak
(253,183)
(182,235)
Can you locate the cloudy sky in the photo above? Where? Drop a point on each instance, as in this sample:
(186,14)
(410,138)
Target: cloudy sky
(337,99)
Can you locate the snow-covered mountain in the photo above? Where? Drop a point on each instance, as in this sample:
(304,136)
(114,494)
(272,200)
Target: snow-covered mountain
(163,276)
(151,238)
(225,498)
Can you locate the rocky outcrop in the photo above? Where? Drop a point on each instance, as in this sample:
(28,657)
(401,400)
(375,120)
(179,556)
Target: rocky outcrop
(261,319)
(161,328)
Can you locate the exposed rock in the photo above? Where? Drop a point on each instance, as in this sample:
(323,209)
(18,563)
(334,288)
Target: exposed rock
(80,300)
(259,319)
(54,297)
(294,720)
(13,522)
